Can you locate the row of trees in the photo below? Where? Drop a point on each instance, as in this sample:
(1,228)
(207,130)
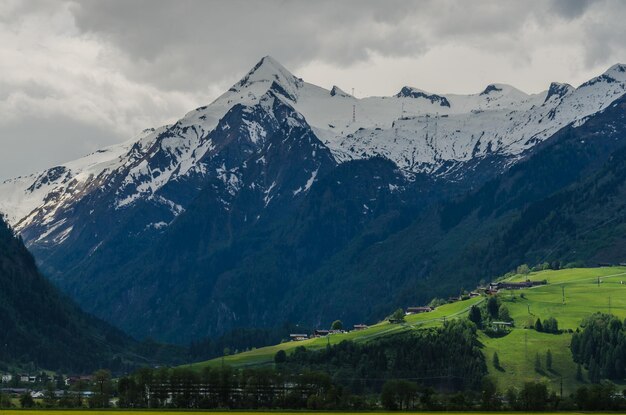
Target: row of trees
(549,325)
(224,387)
(532,396)
(447,356)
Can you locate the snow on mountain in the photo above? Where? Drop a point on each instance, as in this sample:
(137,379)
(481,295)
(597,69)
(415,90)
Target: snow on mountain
(418,130)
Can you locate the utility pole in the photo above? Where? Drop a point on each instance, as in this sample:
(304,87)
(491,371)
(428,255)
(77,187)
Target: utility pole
(526,343)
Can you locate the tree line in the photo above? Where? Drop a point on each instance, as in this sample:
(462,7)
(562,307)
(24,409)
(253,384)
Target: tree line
(600,347)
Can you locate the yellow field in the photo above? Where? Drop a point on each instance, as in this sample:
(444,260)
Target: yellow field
(174,412)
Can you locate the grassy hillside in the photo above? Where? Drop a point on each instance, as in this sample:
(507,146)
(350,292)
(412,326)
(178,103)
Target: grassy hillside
(583,296)
(584,290)
(265,355)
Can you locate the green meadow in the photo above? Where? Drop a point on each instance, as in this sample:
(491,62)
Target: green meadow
(265,355)
(569,296)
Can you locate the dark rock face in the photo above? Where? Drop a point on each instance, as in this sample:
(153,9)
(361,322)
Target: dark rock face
(557,91)
(408,92)
(490,89)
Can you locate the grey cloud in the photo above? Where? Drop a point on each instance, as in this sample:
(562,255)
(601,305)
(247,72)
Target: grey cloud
(188,44)
(85,73)
(40,143)
(571,9)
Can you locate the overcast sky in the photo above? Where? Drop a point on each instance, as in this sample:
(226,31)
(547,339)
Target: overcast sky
(77,76)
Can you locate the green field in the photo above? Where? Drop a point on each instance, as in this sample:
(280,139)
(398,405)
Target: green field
(569,296)
(265,355)
(583,296)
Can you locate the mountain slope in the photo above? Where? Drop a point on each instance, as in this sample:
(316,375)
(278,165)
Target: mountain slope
(41,327)
(283,200)
(544,208)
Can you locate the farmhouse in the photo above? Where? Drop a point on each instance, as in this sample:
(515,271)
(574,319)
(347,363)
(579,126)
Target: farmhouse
(6,378)
(505,285)
(418,310)
(71,380)
(298,337)
(28,379)
(321,333)
(358,327)
(501,325)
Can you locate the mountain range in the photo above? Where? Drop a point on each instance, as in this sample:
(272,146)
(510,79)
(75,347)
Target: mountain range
(284,201)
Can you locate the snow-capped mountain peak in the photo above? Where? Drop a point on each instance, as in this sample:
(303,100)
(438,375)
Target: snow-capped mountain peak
(336,91)
(271,74)
(419,131)
(410,92)
(558,90)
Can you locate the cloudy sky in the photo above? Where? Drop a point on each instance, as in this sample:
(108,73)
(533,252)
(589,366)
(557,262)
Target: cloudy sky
(79,75)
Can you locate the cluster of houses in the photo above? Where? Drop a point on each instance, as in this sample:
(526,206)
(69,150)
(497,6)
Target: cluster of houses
(494,287)
(43,378)
(490,289)
(323,333)
(16,385)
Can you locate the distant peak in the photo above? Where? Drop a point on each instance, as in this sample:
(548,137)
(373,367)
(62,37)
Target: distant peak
(491,88)
(558,90)
(617,68)
(336,91)
(616,73)
(269,71)
(410,92)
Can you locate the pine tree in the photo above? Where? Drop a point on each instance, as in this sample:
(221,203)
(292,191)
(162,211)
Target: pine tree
(549,360)
(538,325)
(537,363)
(579,373)
(594,371)
(496,360)
(475,315)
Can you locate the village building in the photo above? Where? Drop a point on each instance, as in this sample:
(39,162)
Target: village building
(501,326)
(358,327)
(71,380)
(506,285)
(419,310)
(298,337)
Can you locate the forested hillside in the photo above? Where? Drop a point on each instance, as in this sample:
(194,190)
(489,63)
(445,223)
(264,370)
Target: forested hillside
(41,328)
